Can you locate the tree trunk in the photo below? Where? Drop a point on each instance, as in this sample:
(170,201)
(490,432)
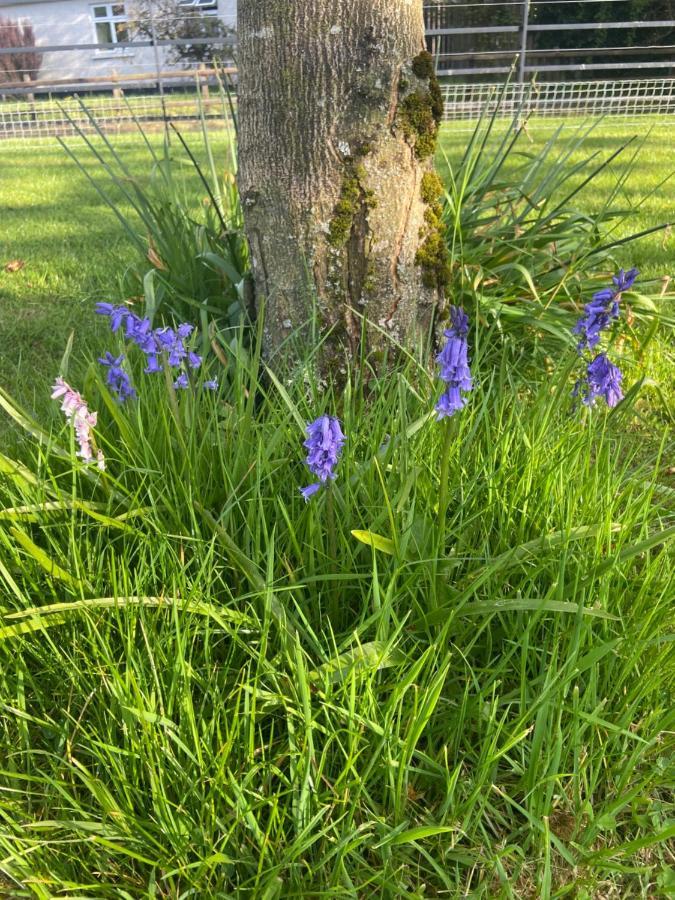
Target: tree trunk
(338,116)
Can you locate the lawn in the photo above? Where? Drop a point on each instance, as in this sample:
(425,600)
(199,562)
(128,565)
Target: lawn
(75,251)
(448,674)
(649,191)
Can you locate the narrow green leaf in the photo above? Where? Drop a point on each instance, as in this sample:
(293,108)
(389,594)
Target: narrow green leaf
(533,604)
(418,834)
(375,540)
(661,537)
(39,617)
(44,560)
(372,656)
(293,409)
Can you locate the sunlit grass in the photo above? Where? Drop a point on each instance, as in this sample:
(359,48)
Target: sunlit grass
(210,688)
(487,708)
(75,253)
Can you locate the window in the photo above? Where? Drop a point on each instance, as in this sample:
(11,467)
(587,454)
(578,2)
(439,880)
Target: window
(110,23)
(209,6)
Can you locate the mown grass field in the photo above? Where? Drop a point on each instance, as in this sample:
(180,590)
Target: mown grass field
(75,251)
(649,191)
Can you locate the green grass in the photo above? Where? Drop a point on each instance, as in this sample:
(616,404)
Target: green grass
(650,137)
(75,253)
(209,688)
(479,708)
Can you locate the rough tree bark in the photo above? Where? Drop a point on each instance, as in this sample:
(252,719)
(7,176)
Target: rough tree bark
(338,115)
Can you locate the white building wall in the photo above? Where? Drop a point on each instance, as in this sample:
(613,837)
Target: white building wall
(57,22)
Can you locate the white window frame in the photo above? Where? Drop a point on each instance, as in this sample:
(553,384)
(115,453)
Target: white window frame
(205,7)
(110,19)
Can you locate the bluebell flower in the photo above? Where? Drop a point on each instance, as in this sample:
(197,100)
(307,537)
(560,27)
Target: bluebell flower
(602,310)
(310,490)
(138,330)
(324,445)
(162,346)
(165,337)
(624,281)
(450,402)
(153,365)
(177,354)
(454,363)
(211,385)
(148,343)
(599,313)
(604,380)
(116,314)
(116,378)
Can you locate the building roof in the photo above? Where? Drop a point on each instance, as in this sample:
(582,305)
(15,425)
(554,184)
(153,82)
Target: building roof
(4,3)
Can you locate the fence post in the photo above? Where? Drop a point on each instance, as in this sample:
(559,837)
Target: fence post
(160,83)
(523,41)
(26,78)
(203,76)
(116,91)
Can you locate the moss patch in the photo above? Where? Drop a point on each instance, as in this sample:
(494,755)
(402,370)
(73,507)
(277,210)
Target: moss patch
(421,111)
(352,195)
(432,254)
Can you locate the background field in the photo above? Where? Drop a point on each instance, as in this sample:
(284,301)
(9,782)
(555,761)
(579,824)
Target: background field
(75,251)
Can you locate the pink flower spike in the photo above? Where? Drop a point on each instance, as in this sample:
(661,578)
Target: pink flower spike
(59,388)
(76,411)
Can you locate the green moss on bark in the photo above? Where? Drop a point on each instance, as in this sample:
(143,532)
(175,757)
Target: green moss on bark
(418,123)
(432,254)
(352,196)
(421,111)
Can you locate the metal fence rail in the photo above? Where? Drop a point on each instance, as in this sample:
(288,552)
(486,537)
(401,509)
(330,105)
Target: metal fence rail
(474,40)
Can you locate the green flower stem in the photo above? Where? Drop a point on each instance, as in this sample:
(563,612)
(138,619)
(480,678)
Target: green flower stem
(333,605)
(175,409)
(450,431)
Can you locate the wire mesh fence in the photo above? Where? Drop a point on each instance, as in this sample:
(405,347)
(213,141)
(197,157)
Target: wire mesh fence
(628,99)
(49,117)
(115,115)
(561,40)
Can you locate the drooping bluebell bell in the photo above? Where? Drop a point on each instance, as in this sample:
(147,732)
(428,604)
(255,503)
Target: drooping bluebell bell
(624,281)
(139,330)
(602,310)
(324,445)
(181,382)
(116,314)
(116,378)
(454,363)
(104,309)
(211,385)
(153,364)
(598,315)
(603,380)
